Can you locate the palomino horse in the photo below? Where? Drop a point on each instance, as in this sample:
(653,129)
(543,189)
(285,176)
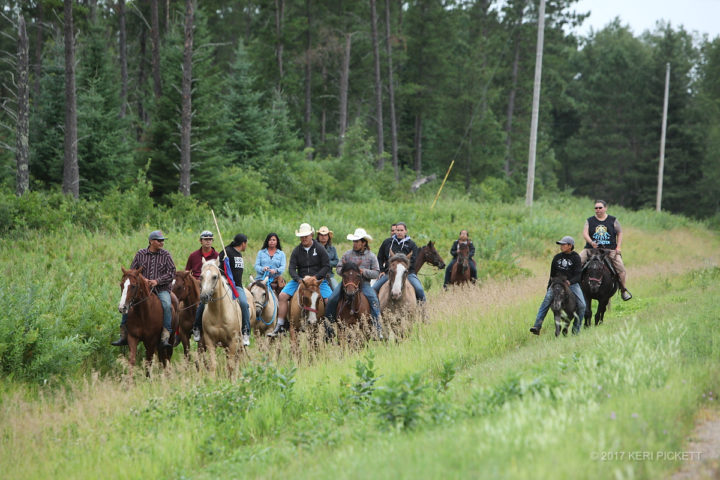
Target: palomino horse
(598,282)
(306,307)
(461,269)
(222,318)
(266,306)
(353,308)
(144,316)
(397,295)
(187,289)
(428,254)
(563,304)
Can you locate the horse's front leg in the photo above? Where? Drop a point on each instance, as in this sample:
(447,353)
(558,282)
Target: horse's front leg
(588,311)
(132,345)
(150,349)
(600,313)
(558,323)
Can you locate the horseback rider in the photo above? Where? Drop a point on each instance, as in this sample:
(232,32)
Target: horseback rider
(568,264)
(159,270)
(462,239)
(194,264)
(234,272)
(270,261)
(360,255)
(325,236)
(604,231)
(399,243)
(308,259)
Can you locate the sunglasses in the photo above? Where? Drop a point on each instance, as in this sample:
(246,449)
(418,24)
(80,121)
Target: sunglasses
(599,208)
(161,241)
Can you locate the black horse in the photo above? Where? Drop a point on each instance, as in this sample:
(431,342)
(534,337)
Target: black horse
(597,282)
(564,304)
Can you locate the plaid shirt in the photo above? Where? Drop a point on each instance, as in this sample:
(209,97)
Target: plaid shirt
(156,266)
(365,260)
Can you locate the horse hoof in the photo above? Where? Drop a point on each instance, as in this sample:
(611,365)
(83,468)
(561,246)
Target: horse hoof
(564,332)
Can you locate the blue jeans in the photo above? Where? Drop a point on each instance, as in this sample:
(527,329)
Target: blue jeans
(292,286)
(412,278)
(164,297)
(244,308)
(545,306)
(332,303)
(448,270)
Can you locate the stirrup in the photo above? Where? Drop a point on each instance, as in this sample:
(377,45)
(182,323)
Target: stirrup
(626,295)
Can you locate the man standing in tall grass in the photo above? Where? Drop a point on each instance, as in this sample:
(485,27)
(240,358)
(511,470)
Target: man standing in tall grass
(159,269)
(604,231)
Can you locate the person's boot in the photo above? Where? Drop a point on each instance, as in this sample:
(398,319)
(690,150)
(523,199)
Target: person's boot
(626,295)
(165,339)
(535,330)
(378,327)
(246,339)
(123,338)
(279,327)
(196,334)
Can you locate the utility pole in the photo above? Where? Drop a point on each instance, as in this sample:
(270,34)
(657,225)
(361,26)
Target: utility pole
(661,167)
(535,106)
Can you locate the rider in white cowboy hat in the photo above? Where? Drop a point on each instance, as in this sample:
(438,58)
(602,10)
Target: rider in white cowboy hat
(360,255)
(307,259)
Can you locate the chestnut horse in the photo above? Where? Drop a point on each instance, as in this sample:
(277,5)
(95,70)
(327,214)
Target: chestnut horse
(598,282)
(397,295)
(222,318)
(461,269)
(306,307)
(187,290)
(144,317)
(428,254)
(353,308)
(265,303)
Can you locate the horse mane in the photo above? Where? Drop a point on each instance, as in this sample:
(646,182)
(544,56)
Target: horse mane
(400,257)
(191,285)
(350,266)
(142,282)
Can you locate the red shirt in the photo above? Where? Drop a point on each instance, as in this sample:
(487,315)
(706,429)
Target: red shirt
(195,261)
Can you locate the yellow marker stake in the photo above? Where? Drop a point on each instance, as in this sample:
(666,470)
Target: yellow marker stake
(442,185)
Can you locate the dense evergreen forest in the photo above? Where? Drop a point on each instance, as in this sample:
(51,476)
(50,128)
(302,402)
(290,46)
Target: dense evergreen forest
(254,103)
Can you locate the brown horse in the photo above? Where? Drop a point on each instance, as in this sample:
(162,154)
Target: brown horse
(306,307)
(144,317)
(353,308)
(397,295)
(187,289)
(428,254)
(266,306)
(460,274)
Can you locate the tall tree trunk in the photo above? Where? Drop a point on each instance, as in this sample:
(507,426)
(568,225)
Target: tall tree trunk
(391,94)
(417,143)
(122,47)
(22,177)
(511,111)
(308,79)
(323,113)
(155,38)
(378,86)
(344,87)
(279,45)
(167,16)
(142,63)
(39,40)
(71,173)
(186,115)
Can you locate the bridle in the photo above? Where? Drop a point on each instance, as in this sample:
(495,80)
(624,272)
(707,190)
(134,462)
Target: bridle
(268,291)
(130,303)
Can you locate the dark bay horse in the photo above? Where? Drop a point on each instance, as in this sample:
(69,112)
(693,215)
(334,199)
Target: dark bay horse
(353,308)
(597,282)
(187,290)
(144,316)
(428,254)
(461,269)
(564,304)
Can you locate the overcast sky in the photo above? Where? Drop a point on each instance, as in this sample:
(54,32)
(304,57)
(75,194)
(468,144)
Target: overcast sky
(695,15)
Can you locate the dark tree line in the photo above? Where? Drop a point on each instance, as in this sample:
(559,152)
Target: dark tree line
(273,100)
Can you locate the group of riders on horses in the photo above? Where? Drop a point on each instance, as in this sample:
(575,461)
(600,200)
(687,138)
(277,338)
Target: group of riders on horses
(316,257)
(601,231)
(312,257)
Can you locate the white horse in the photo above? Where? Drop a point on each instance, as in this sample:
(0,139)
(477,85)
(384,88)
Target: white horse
(222,318)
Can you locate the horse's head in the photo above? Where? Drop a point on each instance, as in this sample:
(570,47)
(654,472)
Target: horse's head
(595,269)
(430,255)
(463,258)
(560,290)
(183,285)
(351,278)
(309,298)
(209,277)
(397,273)
(261,295)
(133,289)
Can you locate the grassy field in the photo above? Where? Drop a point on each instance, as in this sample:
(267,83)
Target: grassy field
(469,394)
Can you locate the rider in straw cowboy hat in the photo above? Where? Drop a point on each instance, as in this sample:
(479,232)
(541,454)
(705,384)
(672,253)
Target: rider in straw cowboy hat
(307,259)
(360,255)
(325,237)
